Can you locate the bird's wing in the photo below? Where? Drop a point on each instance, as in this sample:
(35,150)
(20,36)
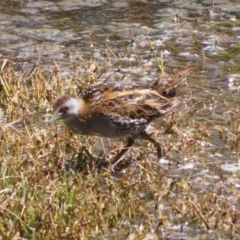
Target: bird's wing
(133,104)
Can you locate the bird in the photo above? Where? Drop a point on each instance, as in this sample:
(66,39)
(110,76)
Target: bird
(119,110)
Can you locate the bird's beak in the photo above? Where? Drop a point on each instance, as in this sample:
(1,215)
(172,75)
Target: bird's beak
(55,117)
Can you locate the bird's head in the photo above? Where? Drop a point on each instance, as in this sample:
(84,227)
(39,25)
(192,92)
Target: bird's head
(65,107)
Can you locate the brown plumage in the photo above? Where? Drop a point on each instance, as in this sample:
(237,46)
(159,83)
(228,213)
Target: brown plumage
(119,110)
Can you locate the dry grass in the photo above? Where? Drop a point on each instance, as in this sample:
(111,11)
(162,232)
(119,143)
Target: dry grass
(40,199)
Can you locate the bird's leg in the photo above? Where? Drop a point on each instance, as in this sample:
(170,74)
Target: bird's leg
(156,144)
(84,159)
(91,156)
(130,142)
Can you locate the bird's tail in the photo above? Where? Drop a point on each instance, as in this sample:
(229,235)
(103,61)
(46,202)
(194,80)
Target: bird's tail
(166,87)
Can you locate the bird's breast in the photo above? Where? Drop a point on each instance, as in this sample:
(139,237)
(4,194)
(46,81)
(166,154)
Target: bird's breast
(99,125)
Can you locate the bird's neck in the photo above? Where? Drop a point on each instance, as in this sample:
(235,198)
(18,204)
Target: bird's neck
(77,121)
(76,124)
(83,109)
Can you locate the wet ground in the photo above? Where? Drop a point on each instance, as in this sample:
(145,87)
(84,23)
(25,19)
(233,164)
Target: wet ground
(182,33)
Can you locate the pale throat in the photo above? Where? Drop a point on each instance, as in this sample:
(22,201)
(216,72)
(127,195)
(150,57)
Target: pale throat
(73,119)
(76,106)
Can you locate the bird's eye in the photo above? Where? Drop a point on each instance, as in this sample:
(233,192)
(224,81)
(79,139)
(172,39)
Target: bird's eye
(65,109)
